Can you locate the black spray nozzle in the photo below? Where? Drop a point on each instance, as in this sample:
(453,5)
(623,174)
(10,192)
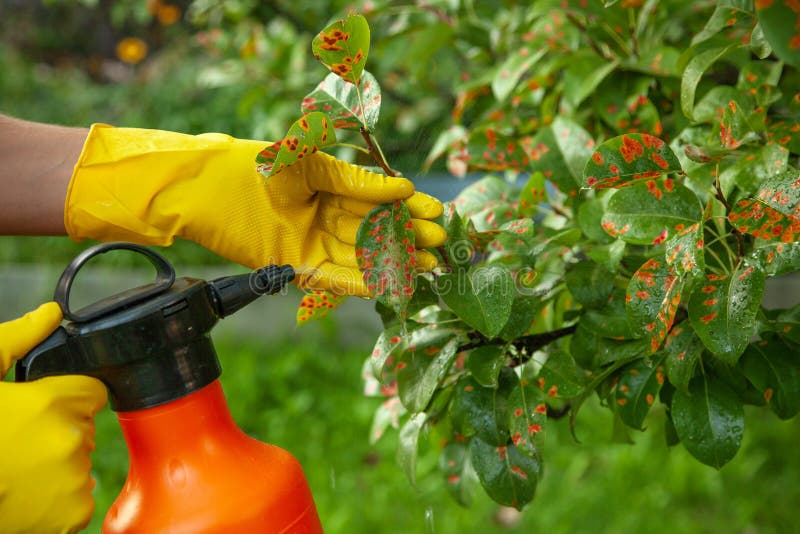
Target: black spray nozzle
(149,344)
(229,294)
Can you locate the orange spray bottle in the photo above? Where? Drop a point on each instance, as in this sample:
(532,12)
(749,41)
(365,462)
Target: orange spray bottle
(192,469)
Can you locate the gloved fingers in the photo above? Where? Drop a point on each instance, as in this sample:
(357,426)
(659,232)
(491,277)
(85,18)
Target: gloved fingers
(74,394)
(337,279)
(425,260)
(339,222)
(19,336)
(424,206)
(428,234)
(326,173)
(339,252)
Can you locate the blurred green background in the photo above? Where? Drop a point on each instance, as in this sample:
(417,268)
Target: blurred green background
(242,68)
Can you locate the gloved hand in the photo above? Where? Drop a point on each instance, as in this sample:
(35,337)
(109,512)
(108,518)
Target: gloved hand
(46,435)
(150,186)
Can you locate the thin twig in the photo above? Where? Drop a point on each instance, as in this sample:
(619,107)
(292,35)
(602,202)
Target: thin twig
(530,343)
(739,237)
(375,153)
(584,30)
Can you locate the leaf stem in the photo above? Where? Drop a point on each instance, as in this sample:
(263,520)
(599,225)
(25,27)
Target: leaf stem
(736,233)
(376,152)
(354,147)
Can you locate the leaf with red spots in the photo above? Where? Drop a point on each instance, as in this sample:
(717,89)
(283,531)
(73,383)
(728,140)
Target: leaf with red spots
(733,129)
(305,136)
(343,104)
(709,420)
(560,377)
(773,368)
(509,72)
(488,192)
(682,349)
(482,297)
(728,14)
(775,213)
(777,258)
(590,283)
(527,416)
(479,411)
(507,475)
(652,299)
(754,167)
(651,211)
(780,22)
(388,414)
(559,152)
(408,445)
(628,111)
(533,193)
(786,133)
(610,320)
(684,250)
(637,389)
(390,343)
(484,363)
(317,304)
(490,150)
(385,254)
(457,471)
(629,158)
(343,47)
(723,309)
(423,364)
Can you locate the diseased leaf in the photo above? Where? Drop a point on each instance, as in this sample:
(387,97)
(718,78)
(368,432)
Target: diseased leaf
(773,215)
(510,71)
(388,413)
(479,411)
(482,297)
(508,476)
(590,283)
(637,390)
(778,21)
(532,194)
(649,212)
(682,349)
(628,158)
(317,304)
(560,152)
(653,295)
(340,101)
(454,463)
(560,378)
(694,72)
(777,258)
(709,419)
(343,47)
(487,192)
(407,446)
(390,342)
(774,369)
(421,367)
(684,250)
(611,320)
(527,417)
(305,136)
(385,254)
(491,150)
(723,309)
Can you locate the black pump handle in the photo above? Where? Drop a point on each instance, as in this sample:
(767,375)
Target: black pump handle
(165,277)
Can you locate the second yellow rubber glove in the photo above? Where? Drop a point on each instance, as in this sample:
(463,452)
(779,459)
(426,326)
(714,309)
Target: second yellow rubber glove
(150,186)
(46,436)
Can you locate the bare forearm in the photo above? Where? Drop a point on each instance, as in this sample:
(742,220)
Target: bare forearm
(36,162)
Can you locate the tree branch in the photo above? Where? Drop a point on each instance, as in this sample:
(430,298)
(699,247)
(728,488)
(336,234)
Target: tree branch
(529,344)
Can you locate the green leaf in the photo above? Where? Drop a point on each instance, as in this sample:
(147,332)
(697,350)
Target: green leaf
(709,420)
(386,255)
(477,411)
(773,368)
(694,72)
(652,299)
(590,283)
(533,193)
(317,304)
(523,312)
(388,413)
(582,76)
(459,248)
(527,416)
(592,350)
(305,136)
(487,192)
(590,220)
(682,349)
(649,212)
(637,390)
(560,377)
(484,363)
(491,150)
(560,152)
(723,309)
(727,14)
(510,71)
(481,297)
(407,446)
(340,101)
(628,158)
(343,47)
(778,21)
(508,476)
(611,320)
(390,342)
(422,366)
(455,466)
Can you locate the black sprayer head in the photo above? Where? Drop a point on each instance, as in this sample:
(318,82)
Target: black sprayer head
(149,344)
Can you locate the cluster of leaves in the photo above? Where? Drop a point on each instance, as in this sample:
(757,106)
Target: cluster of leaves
(639,195)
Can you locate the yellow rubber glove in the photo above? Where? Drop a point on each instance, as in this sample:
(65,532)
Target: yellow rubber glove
(150,186)
(46,436)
